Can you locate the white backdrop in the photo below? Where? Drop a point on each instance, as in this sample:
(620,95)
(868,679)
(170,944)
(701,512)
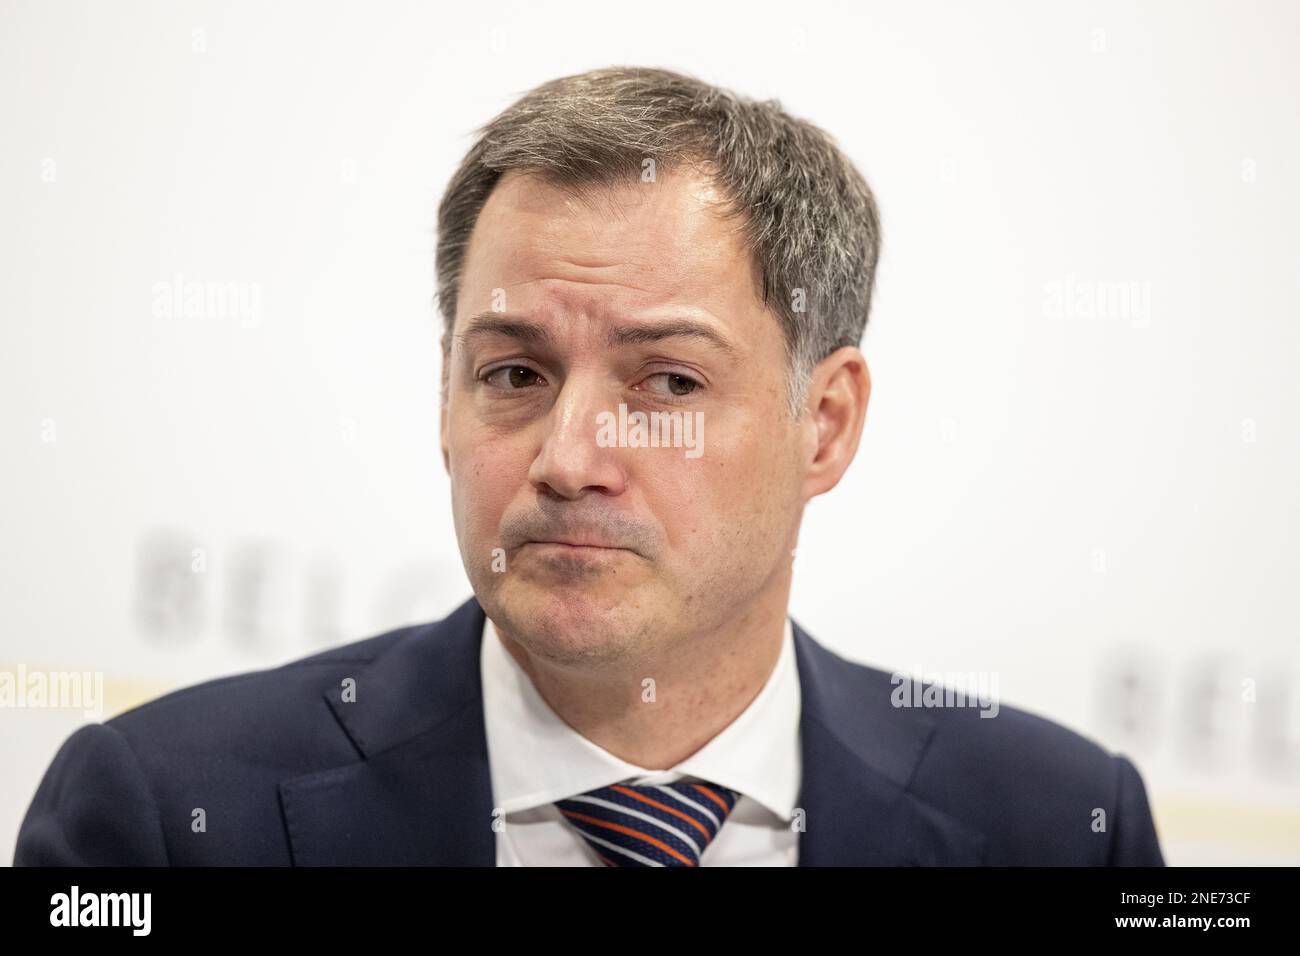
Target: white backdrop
(1080,464)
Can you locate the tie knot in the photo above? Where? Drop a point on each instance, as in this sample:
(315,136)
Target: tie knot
(666,824)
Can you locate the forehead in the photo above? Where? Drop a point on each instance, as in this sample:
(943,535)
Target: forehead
(629,243)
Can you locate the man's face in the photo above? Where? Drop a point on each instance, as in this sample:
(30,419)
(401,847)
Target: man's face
(584,551)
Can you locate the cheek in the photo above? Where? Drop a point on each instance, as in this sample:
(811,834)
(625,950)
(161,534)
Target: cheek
(482,482)
(711,502)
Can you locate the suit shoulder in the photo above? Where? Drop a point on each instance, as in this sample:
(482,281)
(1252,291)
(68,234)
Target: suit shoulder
(266,697)
(1040,791)
(975,733)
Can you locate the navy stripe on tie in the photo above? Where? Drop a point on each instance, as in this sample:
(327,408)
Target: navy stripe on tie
(650,824)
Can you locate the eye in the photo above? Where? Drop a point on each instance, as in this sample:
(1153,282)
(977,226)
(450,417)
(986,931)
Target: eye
(677,385)
(519,376)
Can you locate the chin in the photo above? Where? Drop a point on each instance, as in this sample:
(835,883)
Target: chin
(572,622)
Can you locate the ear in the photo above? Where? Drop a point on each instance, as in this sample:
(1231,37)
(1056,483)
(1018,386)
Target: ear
(444,397)
(835,412)
(442,436)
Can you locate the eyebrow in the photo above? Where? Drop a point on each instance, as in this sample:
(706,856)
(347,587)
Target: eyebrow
(534,333)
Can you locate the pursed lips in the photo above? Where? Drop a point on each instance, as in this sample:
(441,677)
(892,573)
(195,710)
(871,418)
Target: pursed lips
(575,544)
(588,545)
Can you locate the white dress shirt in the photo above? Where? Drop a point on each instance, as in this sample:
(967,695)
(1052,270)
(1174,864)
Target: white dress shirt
(536,758)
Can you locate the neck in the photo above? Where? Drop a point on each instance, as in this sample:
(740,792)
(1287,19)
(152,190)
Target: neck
(702,682)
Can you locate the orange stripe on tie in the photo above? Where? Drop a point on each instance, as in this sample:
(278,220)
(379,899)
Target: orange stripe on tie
(630,832)
(713,796)
(663,806)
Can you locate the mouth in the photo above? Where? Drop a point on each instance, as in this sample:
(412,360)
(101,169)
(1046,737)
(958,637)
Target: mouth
(575,560)
(574,545)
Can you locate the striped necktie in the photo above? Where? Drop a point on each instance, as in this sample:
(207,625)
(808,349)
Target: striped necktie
(650,824)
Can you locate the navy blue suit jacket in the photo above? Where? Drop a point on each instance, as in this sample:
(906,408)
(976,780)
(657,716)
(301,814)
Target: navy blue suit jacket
(286,772)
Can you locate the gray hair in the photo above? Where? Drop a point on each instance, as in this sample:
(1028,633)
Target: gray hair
(809,219)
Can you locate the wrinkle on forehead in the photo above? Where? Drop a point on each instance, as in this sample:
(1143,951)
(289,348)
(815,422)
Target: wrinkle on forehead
(532,229)
(666,243)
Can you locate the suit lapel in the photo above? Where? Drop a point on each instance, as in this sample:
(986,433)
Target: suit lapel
(422,795)
(859,754)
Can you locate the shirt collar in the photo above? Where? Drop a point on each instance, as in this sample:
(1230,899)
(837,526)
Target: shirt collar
(536,758)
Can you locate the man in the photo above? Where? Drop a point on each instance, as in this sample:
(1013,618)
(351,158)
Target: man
(653,293)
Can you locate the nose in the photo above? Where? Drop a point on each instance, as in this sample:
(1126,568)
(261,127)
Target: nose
(571,462)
